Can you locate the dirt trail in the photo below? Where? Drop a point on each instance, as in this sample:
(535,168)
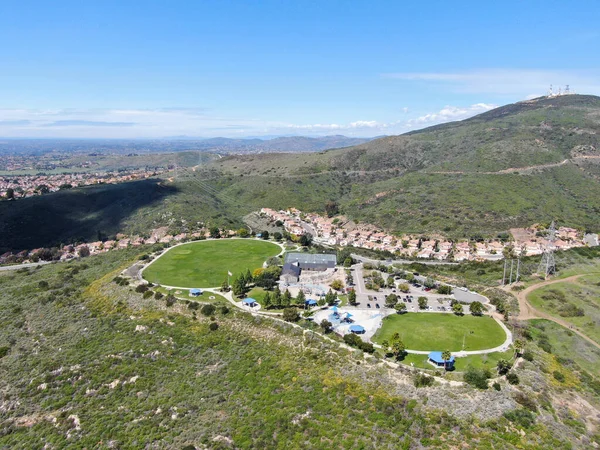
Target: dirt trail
(527,311)
(520,169)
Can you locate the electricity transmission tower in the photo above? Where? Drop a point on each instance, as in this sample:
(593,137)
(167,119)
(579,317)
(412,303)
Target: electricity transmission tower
(548,264)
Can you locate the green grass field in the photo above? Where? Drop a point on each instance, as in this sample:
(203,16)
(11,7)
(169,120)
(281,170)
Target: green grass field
(489,360)
(205,263)
(577,302)
(430,331)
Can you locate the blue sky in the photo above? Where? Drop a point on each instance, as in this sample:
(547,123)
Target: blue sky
(128,69)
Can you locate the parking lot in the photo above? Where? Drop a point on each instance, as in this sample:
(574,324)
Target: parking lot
(372,300)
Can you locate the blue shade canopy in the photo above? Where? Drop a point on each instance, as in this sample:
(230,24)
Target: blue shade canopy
(248,301)
(357,329)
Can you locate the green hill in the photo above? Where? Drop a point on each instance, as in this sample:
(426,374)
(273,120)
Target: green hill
(516,165)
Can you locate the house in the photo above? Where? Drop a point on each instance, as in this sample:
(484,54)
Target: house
(290,273)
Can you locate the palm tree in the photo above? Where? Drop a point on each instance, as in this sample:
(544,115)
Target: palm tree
(446,357)
(519,345)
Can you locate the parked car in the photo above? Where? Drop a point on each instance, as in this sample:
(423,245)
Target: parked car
(368,305)
(376,305)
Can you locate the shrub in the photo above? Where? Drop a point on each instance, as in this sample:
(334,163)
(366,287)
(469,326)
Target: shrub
(545,345)
(528,356)
(214,326)
(158,295)
(208,310)
(170,300)
(291,315)
(477,377)
(496,386)
(141,288)
(4,351)
(147,294)
(521,417)
(525,401)
(224,309)
(558,376)
(43,285)
(512,378)
(193,305)
(422,380)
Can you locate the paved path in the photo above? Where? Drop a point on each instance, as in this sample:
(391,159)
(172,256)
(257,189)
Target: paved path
(527,311)
(24,266)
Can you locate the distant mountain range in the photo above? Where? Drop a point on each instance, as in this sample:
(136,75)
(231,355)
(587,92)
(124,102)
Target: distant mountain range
(291,144)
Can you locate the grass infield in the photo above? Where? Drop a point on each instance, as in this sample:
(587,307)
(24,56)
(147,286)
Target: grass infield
(204,264)
(433,331)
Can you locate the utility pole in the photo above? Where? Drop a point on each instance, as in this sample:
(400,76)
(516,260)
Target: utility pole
(512,261)
(547,263)
(504,274)
(518,266)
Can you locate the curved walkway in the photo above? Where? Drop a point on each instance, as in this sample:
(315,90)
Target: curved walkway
(527,311)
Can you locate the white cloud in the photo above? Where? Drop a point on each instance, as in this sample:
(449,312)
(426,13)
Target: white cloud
(517,82)
(450,113)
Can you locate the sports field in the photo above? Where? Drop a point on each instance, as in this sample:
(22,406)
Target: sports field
(433,331)
(204,264)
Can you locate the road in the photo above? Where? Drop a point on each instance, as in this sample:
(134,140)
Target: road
(527,311)
(24,266)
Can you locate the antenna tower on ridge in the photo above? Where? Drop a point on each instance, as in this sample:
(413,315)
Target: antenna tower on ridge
(548,264)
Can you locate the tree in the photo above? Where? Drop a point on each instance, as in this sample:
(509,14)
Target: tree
(248,277)
(519,346)
(404,287)
(242,232)
(306,240)
(42,189)
(446,356)
(331,208)
(10,194)
(225,286)
(277,236)
(337,285)
(84,251)
(238,286)
(457,309)
(396,346)
(276,297)
(286,299)
(214,232)
(444,289)
(291,315)
(512,378)
(348,262)
(326,325)
(321,302)
(264,235)
(400,308)
(391,300)
(352,297)
(330,298)
(422,302)
(476,308)
(301,298)
(503,366)
(267,301)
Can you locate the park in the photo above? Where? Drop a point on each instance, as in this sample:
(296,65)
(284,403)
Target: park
(206,263)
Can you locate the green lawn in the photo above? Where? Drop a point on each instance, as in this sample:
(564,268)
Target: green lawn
(432,331)
(184,294)
(205,263)
(489,360)
(577,302)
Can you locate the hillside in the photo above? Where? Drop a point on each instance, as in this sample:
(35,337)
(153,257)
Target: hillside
(516,165)
(520,164)
(87,363)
